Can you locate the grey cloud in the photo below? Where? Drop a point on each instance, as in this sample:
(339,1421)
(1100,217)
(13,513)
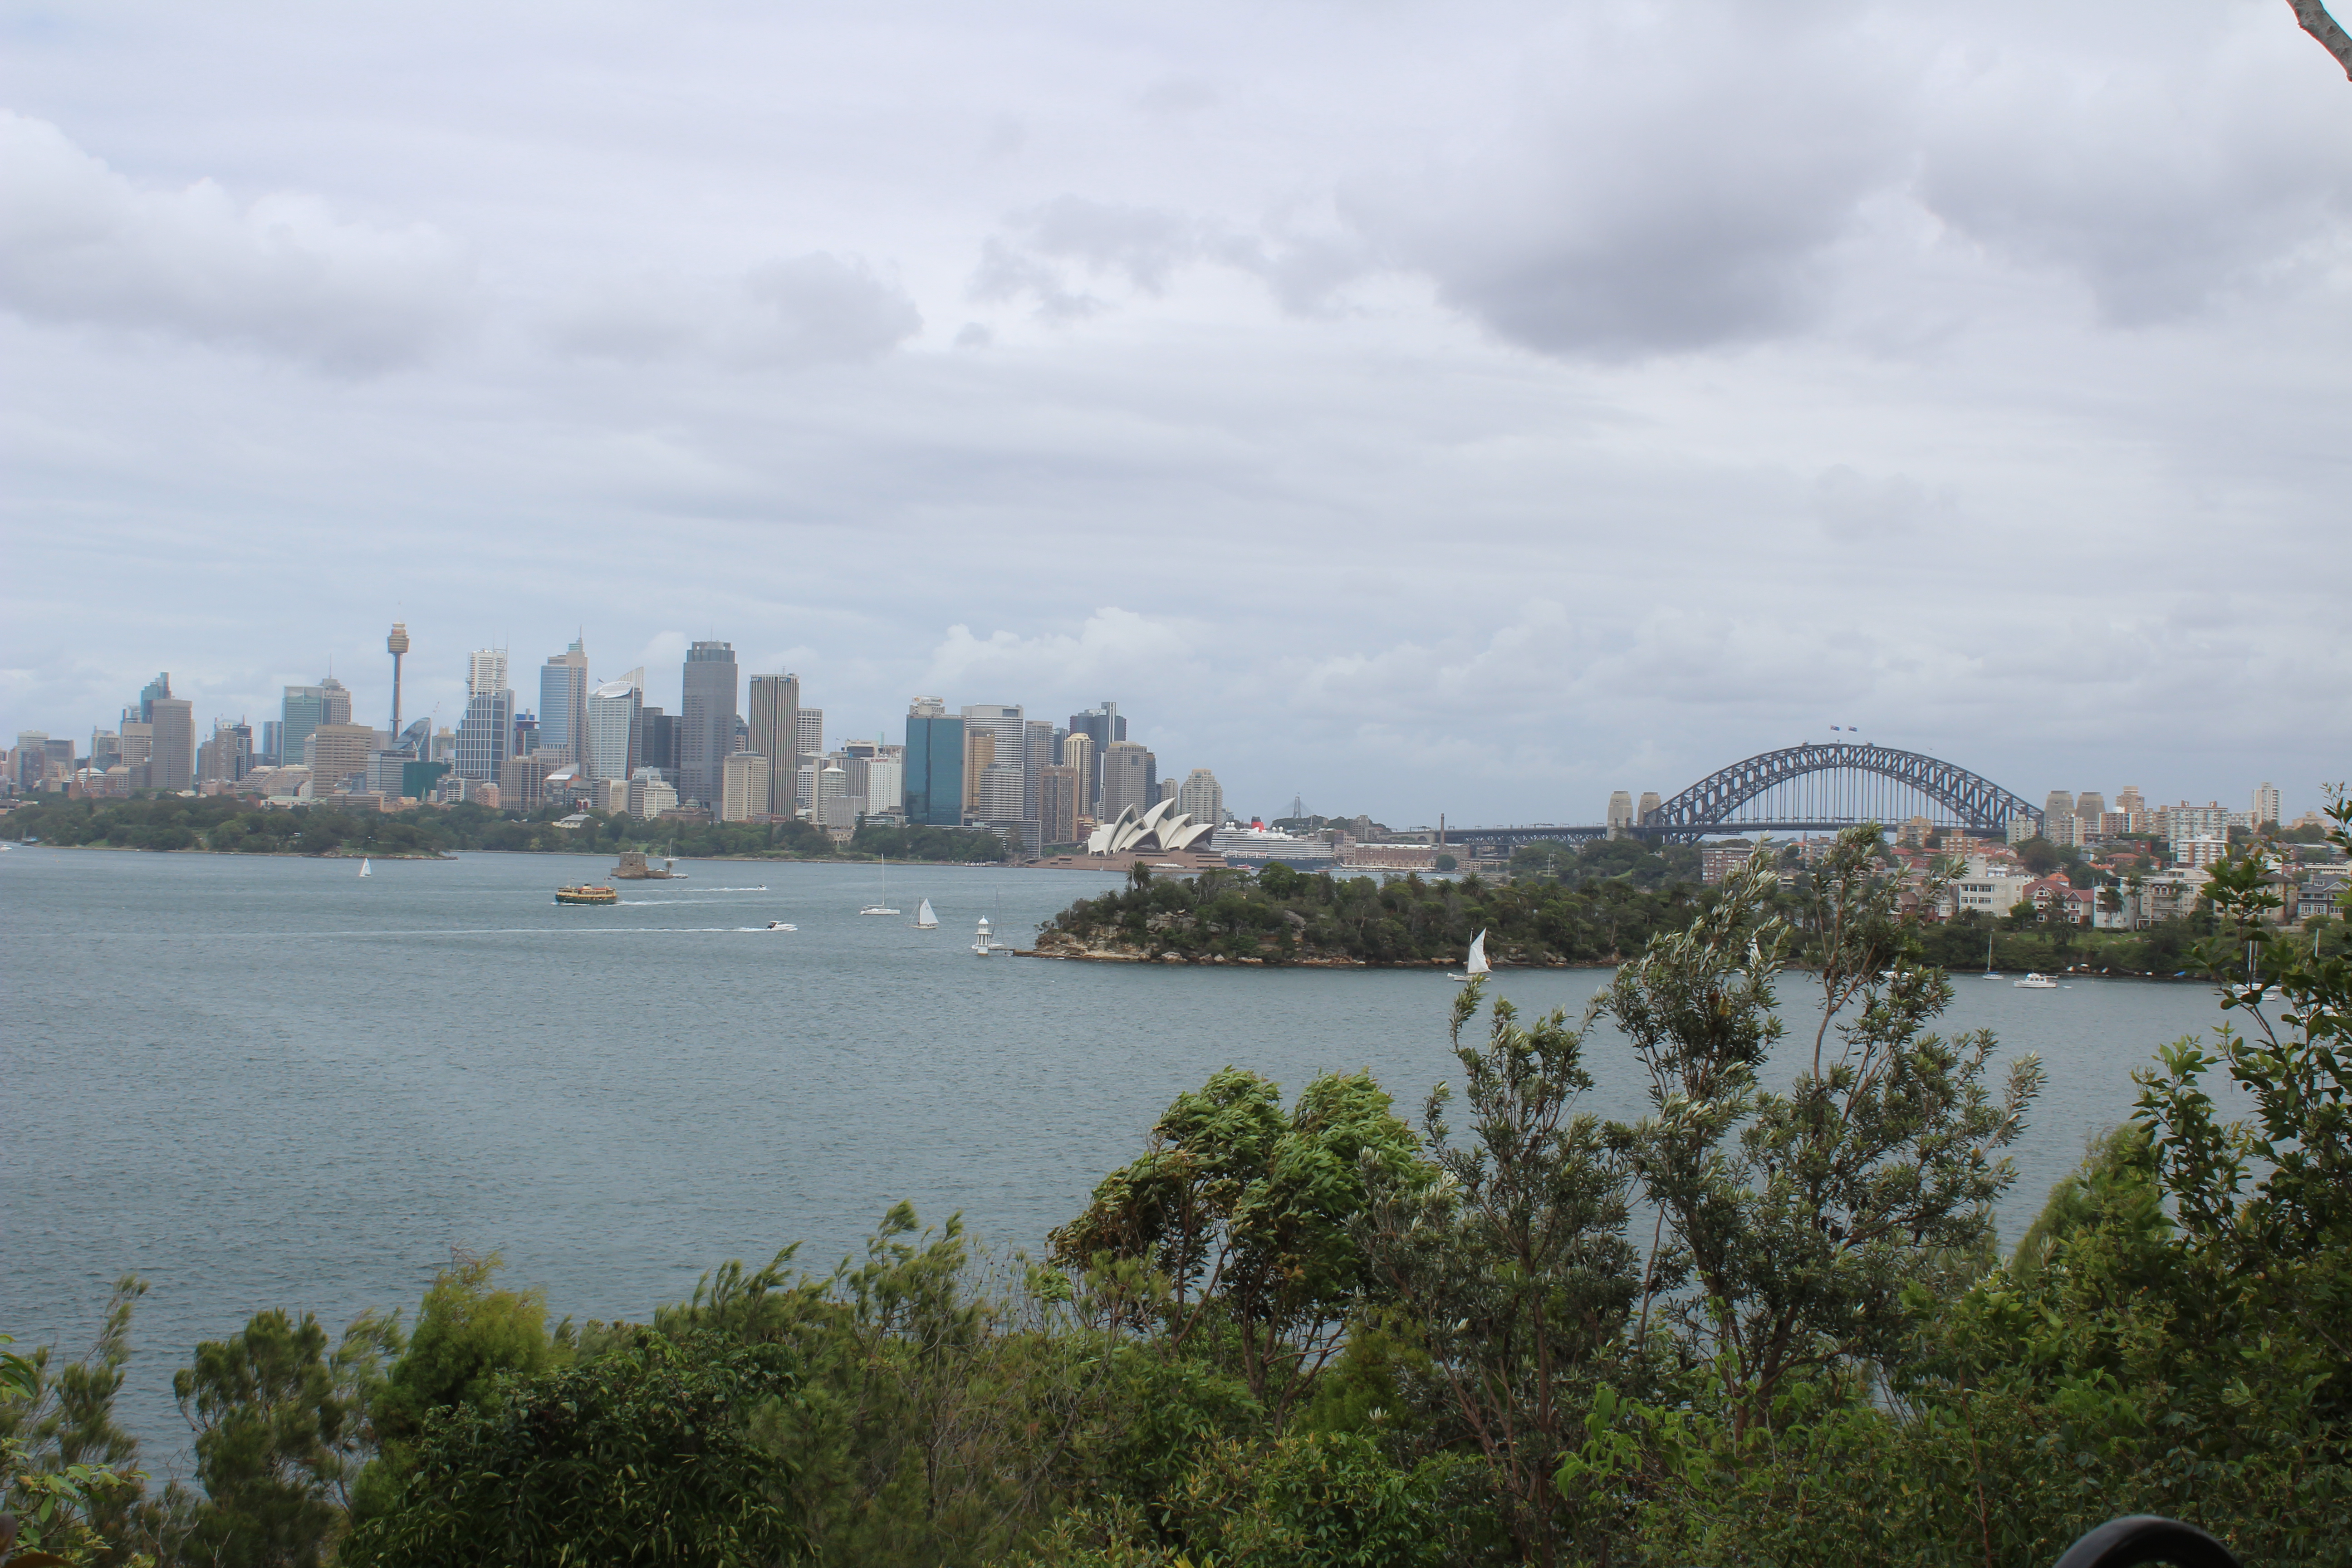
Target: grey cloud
(1140,245)
(1860,509)
(809,309)
(80,243)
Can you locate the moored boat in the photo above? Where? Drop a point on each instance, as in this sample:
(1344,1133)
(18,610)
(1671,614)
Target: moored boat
(2035,981)
(586,895)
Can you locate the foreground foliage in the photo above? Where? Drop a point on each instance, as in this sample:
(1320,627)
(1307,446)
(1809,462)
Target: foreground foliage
(1306,1332)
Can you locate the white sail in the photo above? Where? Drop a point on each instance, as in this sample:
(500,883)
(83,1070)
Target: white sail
(1477,961)
(924,919)
(363,866)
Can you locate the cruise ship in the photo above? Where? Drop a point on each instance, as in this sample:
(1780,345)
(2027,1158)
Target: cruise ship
(1257,848)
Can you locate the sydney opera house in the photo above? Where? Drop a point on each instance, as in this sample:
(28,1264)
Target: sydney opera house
(1160,837)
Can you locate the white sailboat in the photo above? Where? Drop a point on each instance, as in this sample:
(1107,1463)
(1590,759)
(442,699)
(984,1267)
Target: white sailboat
(924,919)
(1989,973)
(881,906)
(364,871)
(1476,966)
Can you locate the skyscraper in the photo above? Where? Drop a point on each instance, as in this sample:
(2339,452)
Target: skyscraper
(997,780)
(159,687)
(304,709)
(810,728)
(2266,803)
(175,756)
(1130,777)
(337,753)
(1105,727)
(1201,798)
(705,711)
(611,740)
(934,776)
(486,734)
(1057,804)
(1040,751)
(564,703)
(775,734)
(742,786)
(1078,755)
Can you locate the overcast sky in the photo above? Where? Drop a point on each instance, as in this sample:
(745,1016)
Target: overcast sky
(1465,408)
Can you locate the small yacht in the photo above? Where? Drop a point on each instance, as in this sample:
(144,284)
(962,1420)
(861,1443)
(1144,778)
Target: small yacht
(925,920)
(1476,966)
(364,871)
(2035,981)
(881,906)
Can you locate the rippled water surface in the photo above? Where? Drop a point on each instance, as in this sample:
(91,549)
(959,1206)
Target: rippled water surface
(266,1082)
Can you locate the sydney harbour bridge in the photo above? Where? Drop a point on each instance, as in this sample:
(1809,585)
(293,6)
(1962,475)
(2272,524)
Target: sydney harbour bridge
(1811,788)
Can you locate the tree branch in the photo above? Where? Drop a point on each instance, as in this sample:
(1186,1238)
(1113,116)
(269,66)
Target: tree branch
(2314,19)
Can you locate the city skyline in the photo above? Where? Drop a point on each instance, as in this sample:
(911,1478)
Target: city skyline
(1470,411)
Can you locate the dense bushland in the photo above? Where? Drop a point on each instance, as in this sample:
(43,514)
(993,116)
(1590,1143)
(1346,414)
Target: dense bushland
(1307,1331)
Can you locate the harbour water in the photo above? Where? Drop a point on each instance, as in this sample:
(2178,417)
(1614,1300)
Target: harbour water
(266,1082)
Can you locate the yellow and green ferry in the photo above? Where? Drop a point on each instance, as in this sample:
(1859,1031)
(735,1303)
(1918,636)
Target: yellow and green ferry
(586,895)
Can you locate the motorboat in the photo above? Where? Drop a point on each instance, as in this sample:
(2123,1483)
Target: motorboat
(586,895)
(1474,968)
(925,918)
(2035,981)
(781,925)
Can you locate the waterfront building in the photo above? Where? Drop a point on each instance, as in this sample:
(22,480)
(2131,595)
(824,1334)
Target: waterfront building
(650,794)
(2266,805)
(705,711)
(564,703)
(486,734)
(743,786)
(611,739)
(775,728)
(934,766)
(1203,798)
(1130,779)
(338,751)
(172,763)
(302,710)
(1080,753)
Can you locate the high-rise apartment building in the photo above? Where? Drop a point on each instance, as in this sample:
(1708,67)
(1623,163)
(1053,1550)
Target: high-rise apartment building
(775,726)
(612,736)
(1057,804)
(2185,822)
(1130,777)
(1079,754)
(303,709)
(2129,798)
(564,703)
(743,786)
(705,711)
(2266,805)
(1201,797)
(486,734)
(811,729)
(934,777)
(173,760)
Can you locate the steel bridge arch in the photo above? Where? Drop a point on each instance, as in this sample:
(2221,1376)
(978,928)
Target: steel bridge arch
(1709,805)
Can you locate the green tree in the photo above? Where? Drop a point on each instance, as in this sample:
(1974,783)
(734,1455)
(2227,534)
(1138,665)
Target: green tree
(1508,1257)
(1800,1217)
(1248,1216)
(279,1414)
(643,1453)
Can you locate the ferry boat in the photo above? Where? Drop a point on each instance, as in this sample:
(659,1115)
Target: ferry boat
(586,895)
